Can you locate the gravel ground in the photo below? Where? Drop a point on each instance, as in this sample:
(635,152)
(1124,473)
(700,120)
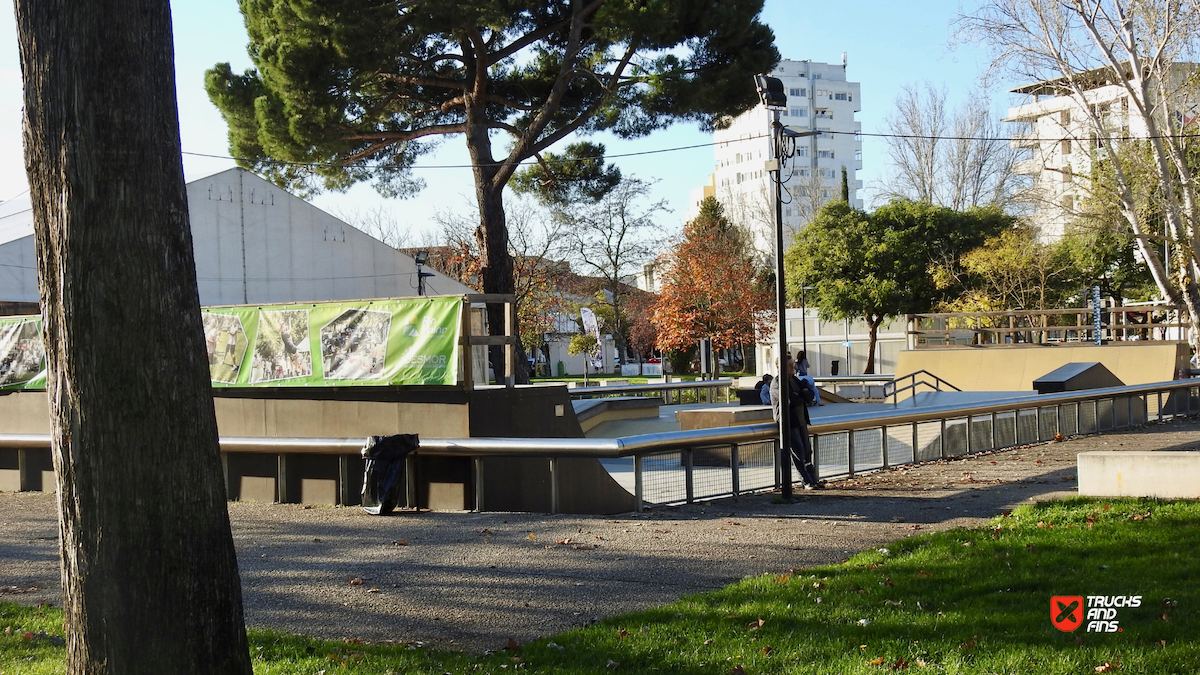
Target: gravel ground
(472,580)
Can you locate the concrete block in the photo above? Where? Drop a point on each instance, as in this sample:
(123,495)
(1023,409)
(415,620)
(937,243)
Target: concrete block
(1166,475)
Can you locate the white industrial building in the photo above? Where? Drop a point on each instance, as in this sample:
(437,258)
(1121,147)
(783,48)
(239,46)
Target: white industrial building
(1059,130)
(254,244)
(819,98)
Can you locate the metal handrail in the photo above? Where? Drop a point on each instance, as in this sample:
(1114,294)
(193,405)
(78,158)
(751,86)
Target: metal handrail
(935,385)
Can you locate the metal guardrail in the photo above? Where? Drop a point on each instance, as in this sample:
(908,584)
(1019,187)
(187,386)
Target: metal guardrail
(709,388)
(686,466)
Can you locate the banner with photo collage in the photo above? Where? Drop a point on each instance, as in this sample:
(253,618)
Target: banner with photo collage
(22,353)
(380,342)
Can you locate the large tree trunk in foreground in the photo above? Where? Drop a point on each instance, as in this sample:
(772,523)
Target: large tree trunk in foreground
(150,580)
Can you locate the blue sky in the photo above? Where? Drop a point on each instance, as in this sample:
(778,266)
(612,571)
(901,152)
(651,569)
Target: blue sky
(889,44)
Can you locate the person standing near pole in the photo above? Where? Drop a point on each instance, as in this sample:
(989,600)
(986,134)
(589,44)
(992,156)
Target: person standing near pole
(799,395)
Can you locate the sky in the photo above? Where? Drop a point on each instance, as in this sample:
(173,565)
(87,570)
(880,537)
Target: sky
(888,45)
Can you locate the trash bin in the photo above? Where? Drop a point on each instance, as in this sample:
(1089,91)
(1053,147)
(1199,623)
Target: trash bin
(383,476)
(834,367)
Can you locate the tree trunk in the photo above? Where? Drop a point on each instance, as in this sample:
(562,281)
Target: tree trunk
(873,324)
(496,265)
(150,579)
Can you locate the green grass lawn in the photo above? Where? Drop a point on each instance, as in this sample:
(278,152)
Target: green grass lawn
(963,601)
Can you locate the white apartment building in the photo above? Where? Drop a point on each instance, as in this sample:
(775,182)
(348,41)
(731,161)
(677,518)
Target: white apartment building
(819,98)
(1059,130)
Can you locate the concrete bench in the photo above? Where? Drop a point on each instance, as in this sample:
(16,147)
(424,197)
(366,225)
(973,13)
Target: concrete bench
(1163,474)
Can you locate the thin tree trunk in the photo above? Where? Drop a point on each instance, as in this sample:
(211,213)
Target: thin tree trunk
(873,324)
(150,579)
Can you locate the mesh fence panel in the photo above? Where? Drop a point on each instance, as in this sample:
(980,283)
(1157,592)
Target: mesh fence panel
(831,454)
(1087,417)
(954,439)
(900,445)
(1137,413)
(1006,429)
(868,449)
(1105,414)
(663,479)
(981,433)
(756,466)
(929,441)
(1121,411)
(1027,426)
(711,473)
(1068,419)
(1047,422)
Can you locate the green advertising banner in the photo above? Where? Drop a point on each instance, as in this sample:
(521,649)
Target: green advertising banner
(22,353)
(332,344)
(379,342)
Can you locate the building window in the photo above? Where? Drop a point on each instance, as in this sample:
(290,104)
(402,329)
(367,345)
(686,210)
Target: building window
(1068,202)
(816,76)
(1064,117)
(793,92)
(739,178)
(839,96)
(858,155)
(825,154)
(1067,174)
(802,151)
(796,112)
(787,213)
(800,112)
(1066,146)
(803,172)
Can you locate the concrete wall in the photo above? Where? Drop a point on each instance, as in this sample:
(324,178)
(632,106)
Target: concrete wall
(1014,368)
(257,244)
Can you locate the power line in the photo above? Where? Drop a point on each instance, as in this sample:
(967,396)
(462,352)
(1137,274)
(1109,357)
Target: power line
(857,134)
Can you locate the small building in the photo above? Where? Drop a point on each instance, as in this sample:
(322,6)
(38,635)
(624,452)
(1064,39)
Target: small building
(254,243)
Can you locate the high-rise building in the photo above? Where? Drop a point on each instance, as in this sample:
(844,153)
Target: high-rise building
(818,98)
(1064,133)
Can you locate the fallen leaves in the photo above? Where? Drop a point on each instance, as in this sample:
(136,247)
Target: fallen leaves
(356,582)
(755,625)
(923,573)
(1105,668)
(1140,516)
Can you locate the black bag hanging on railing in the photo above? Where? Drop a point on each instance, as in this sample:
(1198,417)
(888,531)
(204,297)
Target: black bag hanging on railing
(383,476)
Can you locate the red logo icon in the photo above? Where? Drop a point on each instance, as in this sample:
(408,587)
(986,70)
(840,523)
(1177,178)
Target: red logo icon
(1066,612)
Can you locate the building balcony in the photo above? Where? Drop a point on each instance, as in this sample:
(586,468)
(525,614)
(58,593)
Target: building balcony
(1029,167)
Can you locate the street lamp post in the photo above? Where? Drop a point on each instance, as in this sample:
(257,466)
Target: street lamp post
(421,259)
(771,92)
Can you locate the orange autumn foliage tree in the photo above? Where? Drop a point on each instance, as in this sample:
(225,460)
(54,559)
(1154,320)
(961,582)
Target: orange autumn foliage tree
(711,287)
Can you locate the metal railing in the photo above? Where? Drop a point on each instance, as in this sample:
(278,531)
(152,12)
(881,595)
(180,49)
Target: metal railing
(666,390)
(895,390)
(687,466)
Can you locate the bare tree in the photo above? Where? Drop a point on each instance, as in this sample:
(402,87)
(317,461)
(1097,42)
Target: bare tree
(382,223)
(1142,48)
(150,578)
(949,158)
(611,238)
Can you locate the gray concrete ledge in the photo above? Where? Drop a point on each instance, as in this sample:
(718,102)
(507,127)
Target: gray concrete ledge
(1166,475)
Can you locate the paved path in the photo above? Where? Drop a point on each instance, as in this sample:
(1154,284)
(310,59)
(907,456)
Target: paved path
(472,580)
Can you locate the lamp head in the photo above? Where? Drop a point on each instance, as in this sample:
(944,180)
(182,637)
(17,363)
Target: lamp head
(770,91)
(422,257)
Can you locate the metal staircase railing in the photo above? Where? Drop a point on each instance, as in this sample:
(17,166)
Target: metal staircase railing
(893,389)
